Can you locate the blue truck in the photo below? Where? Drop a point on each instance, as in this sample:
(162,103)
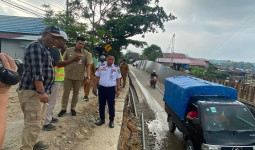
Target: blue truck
(223,123)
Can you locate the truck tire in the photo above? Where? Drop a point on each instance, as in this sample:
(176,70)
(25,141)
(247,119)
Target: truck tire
(189,145)
(171,125)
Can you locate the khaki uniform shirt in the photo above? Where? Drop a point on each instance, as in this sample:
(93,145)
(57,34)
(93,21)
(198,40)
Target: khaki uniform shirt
(92,71)
(124,69)
(76,70)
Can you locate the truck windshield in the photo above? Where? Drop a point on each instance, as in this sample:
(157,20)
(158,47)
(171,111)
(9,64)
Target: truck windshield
(221,118)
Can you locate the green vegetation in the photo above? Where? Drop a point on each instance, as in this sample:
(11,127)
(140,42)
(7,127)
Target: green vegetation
(240,65)
(111,22)
(209,73)
(152,52)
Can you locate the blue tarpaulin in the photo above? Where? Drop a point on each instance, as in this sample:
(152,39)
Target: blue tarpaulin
(179,90)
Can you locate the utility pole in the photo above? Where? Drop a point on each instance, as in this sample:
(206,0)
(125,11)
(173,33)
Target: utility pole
(67,12)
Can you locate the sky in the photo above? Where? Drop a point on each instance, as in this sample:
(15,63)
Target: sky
(210,29)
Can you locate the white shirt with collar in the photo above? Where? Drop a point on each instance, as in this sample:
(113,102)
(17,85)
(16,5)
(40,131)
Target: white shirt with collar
(101,63)
(108,75)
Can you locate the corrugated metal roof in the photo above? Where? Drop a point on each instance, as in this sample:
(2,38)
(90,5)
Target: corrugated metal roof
(174,60)
(188,61)
(174,55)
(197,62)
(21,25)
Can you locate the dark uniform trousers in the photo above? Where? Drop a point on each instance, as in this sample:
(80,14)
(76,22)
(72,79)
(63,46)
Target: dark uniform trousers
(106,94)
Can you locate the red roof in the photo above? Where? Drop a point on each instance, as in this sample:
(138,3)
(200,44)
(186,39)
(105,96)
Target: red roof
(197,62)
(174,55)
(174,60)
(188,61)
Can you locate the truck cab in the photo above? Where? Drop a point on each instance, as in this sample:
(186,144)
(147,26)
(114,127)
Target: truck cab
(223,123)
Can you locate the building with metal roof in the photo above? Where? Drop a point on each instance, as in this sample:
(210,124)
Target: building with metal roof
(180,61)
(21,25)
(17,32)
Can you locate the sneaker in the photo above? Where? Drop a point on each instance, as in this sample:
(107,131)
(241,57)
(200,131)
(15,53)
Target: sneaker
(73,112)
(40,146)
(61,113)
(85,98)
(49,127)
(54,120)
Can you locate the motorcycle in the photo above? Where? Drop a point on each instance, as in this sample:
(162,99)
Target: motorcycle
(153,81)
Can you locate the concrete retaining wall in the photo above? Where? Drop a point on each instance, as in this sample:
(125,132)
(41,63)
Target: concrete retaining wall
(162,71)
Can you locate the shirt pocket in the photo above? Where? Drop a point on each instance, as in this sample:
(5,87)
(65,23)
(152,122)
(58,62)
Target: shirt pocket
(103,74)
(114,75)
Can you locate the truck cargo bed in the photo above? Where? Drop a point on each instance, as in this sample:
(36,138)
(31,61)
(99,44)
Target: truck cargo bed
(179,90)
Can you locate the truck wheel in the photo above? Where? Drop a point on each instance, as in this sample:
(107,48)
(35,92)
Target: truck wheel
(171,125)
(189,145)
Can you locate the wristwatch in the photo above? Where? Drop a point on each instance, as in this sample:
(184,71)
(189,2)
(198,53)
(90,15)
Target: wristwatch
(40,92)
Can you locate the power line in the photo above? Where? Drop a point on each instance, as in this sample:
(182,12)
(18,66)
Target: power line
(17,6)
(21,7)
(60,4)
(31,5)
(55,5)
(241,25)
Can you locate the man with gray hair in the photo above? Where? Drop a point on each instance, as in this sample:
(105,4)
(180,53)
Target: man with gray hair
(35,86)
(59,65)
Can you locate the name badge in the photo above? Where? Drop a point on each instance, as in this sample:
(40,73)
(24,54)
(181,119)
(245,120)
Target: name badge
(103,69)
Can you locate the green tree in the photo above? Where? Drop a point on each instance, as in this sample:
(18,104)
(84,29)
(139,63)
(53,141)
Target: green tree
(197,71)
(95,11)
(112,22)
(152,52)
(67,21)
(222,75)
(129,18)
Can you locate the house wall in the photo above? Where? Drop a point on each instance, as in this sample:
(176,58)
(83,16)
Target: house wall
(14,48)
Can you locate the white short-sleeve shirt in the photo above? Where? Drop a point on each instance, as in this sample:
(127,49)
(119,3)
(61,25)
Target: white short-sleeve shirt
(108,75)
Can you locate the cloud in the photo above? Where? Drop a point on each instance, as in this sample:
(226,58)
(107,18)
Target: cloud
(209,29)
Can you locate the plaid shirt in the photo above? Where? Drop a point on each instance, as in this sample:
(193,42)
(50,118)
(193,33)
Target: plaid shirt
(38,67)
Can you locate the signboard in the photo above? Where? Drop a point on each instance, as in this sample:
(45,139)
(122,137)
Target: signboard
(107,47)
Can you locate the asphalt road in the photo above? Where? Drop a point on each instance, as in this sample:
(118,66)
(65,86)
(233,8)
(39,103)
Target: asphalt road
(172,141)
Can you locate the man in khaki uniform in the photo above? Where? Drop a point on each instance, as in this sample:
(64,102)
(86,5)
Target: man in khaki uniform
(74,74)
(86,84)
(124,69)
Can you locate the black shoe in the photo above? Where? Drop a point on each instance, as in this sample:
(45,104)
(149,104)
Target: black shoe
(61,113)
(85,98)
(100,122)
(54,120)
(49,127)
(111,124)
(40,146)
(73,112)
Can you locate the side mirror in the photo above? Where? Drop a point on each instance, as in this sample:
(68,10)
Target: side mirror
(195,121)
